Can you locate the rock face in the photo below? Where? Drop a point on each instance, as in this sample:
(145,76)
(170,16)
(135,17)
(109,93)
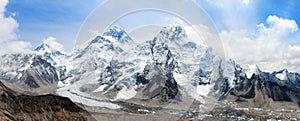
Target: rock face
(40,70)
(263,88)
(15,106)
(158,83)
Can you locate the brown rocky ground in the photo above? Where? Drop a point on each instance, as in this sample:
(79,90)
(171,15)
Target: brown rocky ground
(15,106)
(245,111)
(223,111)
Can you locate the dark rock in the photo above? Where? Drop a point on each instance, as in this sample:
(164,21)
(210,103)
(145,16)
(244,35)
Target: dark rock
(161,84)
(15,106)
(264,87)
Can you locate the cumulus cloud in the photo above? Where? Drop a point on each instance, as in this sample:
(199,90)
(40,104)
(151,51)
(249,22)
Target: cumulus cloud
(51,41)
(278,25)
(267,48)
(14,47)
(265,44)
(8,25)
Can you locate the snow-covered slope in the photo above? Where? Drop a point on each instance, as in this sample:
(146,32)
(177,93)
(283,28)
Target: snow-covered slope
(50,54)
(53,56)
(12,65)
(117,35)
(90,66)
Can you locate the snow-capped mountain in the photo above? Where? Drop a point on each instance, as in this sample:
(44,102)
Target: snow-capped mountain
(165,69)
(262,88)
(28,72)
(87,62)
(38,71)
(50,54)
(53,56)
(288,77)
(118,34)
(102,66)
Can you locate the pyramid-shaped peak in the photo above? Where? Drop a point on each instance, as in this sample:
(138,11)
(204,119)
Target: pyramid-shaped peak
(118,34)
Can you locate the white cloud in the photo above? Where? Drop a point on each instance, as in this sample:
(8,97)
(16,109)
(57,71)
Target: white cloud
(14,47)
(267,48)
(279,26)
(7,24)
(2,5)
(8,37)
(51,41)
(264,44)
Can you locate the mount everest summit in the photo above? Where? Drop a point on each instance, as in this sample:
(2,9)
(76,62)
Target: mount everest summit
(167,69)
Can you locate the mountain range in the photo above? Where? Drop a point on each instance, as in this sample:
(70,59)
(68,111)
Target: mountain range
(168,69)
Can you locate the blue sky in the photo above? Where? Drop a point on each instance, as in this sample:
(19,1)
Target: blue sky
(39,19)
(262,32)
(256,11)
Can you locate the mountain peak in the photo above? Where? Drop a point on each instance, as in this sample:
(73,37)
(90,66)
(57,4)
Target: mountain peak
(45,48)
(49,53)
(282,74)
(283,71)
(118,34)
(250,70)
(42,47)
(173,32)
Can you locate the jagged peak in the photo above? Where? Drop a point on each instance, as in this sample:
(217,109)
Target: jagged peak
(282,74)
(47,49)
(42,47)
(118,34)
(250,69)
(175,32)
(283,71)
